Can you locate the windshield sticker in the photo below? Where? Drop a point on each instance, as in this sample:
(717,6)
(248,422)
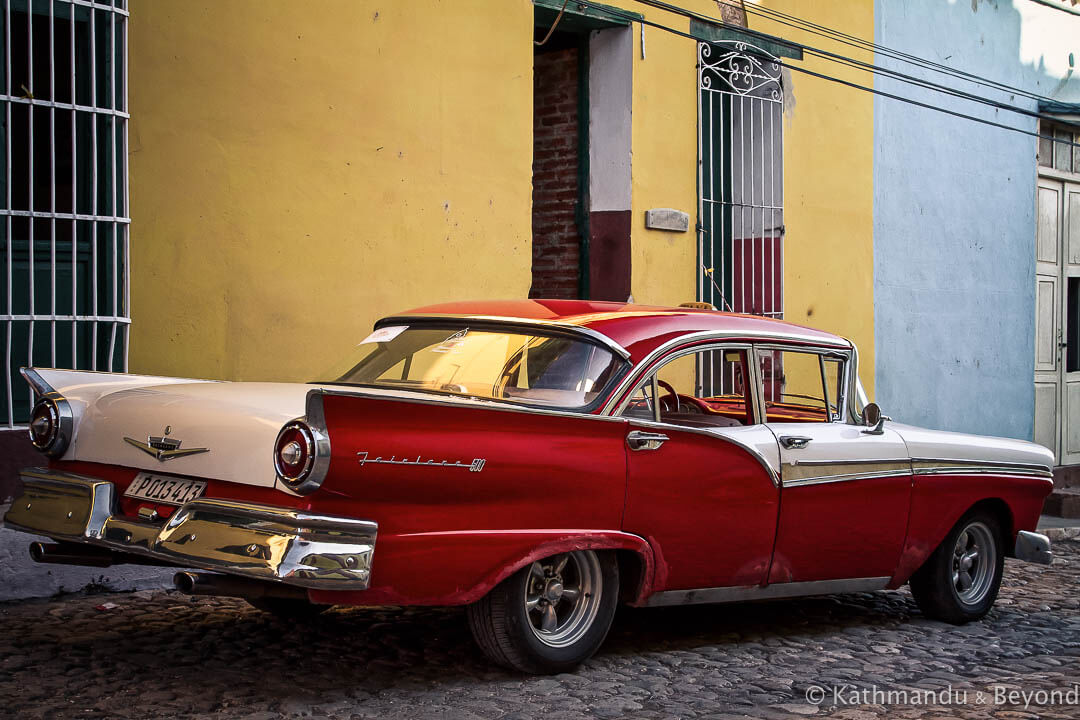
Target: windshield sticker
(452,343)
(384,334)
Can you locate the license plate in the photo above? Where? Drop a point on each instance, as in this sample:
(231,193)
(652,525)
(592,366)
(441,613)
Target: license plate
(164,488)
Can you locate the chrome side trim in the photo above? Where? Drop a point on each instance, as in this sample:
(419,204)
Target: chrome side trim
(827,479)
(507,320)
(809,472)
(292,546)
(1033,547)
(947,466)
(798,342)
(745,593)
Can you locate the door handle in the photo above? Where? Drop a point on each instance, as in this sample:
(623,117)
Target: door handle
(638,440)
(794,442)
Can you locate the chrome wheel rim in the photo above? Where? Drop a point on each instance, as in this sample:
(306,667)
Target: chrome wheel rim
(562,597)
(974,561)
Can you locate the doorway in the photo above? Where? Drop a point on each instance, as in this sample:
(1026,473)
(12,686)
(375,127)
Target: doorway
(1057,318)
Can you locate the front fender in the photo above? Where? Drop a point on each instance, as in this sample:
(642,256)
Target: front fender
(939,501)
(460,567)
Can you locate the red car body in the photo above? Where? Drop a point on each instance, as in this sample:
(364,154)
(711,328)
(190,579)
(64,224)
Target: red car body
(707,516)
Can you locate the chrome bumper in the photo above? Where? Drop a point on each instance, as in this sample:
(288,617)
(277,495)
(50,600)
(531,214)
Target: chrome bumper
(257,541)
(1033,547)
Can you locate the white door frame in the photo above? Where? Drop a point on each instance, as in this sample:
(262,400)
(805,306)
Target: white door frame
(1057,260)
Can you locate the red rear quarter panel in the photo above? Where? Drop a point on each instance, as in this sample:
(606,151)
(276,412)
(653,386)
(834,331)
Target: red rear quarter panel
(447,533)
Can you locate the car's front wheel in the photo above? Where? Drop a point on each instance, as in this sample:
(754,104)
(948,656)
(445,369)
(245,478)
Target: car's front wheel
(551,615)
(959,581)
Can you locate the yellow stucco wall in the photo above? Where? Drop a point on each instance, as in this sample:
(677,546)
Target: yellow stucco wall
(313,169)
(299,170)
(829,182)
(828,171)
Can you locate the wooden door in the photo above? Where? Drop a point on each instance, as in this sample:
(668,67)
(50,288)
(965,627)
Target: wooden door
(1057,319)
(1069,355)
(1048,301)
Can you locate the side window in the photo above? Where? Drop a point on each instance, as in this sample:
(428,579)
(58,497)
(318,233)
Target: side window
(707,388)
(642,405)
(801,386)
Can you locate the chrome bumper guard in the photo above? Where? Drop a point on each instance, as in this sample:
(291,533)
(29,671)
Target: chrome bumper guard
(1033,547)
(256,541)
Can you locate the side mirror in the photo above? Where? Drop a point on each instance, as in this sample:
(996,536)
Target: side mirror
(874,420)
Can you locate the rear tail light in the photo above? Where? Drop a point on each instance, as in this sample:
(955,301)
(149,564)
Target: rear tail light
(294,453)
(50,425)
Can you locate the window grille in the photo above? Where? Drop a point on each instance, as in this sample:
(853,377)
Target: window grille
(740,186)
(740,182)
(64,202)
(1059,146)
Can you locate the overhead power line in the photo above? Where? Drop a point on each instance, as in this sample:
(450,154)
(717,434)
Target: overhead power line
(869,67)
(634,17)
(854,41)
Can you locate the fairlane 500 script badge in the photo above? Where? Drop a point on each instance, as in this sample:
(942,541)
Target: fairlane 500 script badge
(475,466)
(164,448)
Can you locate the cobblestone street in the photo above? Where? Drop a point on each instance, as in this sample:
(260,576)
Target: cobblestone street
(164,655)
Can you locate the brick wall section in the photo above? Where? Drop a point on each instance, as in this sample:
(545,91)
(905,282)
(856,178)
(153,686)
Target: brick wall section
(556,242)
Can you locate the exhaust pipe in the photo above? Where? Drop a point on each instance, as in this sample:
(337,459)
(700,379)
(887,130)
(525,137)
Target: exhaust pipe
(87,555)
(195,583)
(70,554)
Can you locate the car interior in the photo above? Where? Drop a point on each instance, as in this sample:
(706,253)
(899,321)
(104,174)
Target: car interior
(709,388)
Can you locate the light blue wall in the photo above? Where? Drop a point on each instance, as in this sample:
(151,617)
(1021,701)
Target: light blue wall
(954,220)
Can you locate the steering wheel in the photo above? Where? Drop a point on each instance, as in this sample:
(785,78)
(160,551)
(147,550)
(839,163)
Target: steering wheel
(671,393)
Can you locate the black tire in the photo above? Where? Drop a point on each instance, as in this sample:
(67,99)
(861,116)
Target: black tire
(510,634)
(288,608)
(938,592)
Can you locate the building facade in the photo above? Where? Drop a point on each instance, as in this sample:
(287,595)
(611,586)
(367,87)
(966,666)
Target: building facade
(972,235)
(244,204)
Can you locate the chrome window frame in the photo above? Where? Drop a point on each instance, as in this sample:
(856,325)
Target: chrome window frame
(616,400)
(822,351)
(587,332)
(543,328)
(650,375)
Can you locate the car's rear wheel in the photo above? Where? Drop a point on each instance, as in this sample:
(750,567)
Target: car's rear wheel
(551,615)
(288,608)
(960,580)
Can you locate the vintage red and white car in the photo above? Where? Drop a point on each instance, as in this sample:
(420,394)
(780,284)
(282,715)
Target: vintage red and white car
(539,462)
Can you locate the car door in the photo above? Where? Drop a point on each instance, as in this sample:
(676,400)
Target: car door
(845,489)
(700,487)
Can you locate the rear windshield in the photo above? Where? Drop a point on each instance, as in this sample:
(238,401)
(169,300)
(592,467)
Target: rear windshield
(501,364)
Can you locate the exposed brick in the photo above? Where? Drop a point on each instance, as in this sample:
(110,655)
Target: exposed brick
(556,242)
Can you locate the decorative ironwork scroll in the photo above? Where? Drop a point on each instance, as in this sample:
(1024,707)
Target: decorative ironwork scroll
(738,68)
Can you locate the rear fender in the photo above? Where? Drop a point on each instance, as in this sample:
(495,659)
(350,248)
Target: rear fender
(460,567)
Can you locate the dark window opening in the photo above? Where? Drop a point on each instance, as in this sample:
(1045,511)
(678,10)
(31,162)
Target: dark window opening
(557,163)
(1072,327)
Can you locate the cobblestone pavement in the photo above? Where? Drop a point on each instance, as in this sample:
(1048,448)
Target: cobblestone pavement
(164,655)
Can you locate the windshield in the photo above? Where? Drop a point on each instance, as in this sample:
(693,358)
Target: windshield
(519,366)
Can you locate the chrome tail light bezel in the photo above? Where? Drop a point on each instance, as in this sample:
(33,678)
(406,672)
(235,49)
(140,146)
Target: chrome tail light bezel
(61,424)
(312,428)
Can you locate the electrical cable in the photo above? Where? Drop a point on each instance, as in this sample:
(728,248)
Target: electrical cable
(860,64)
(633,17)
(869,46)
